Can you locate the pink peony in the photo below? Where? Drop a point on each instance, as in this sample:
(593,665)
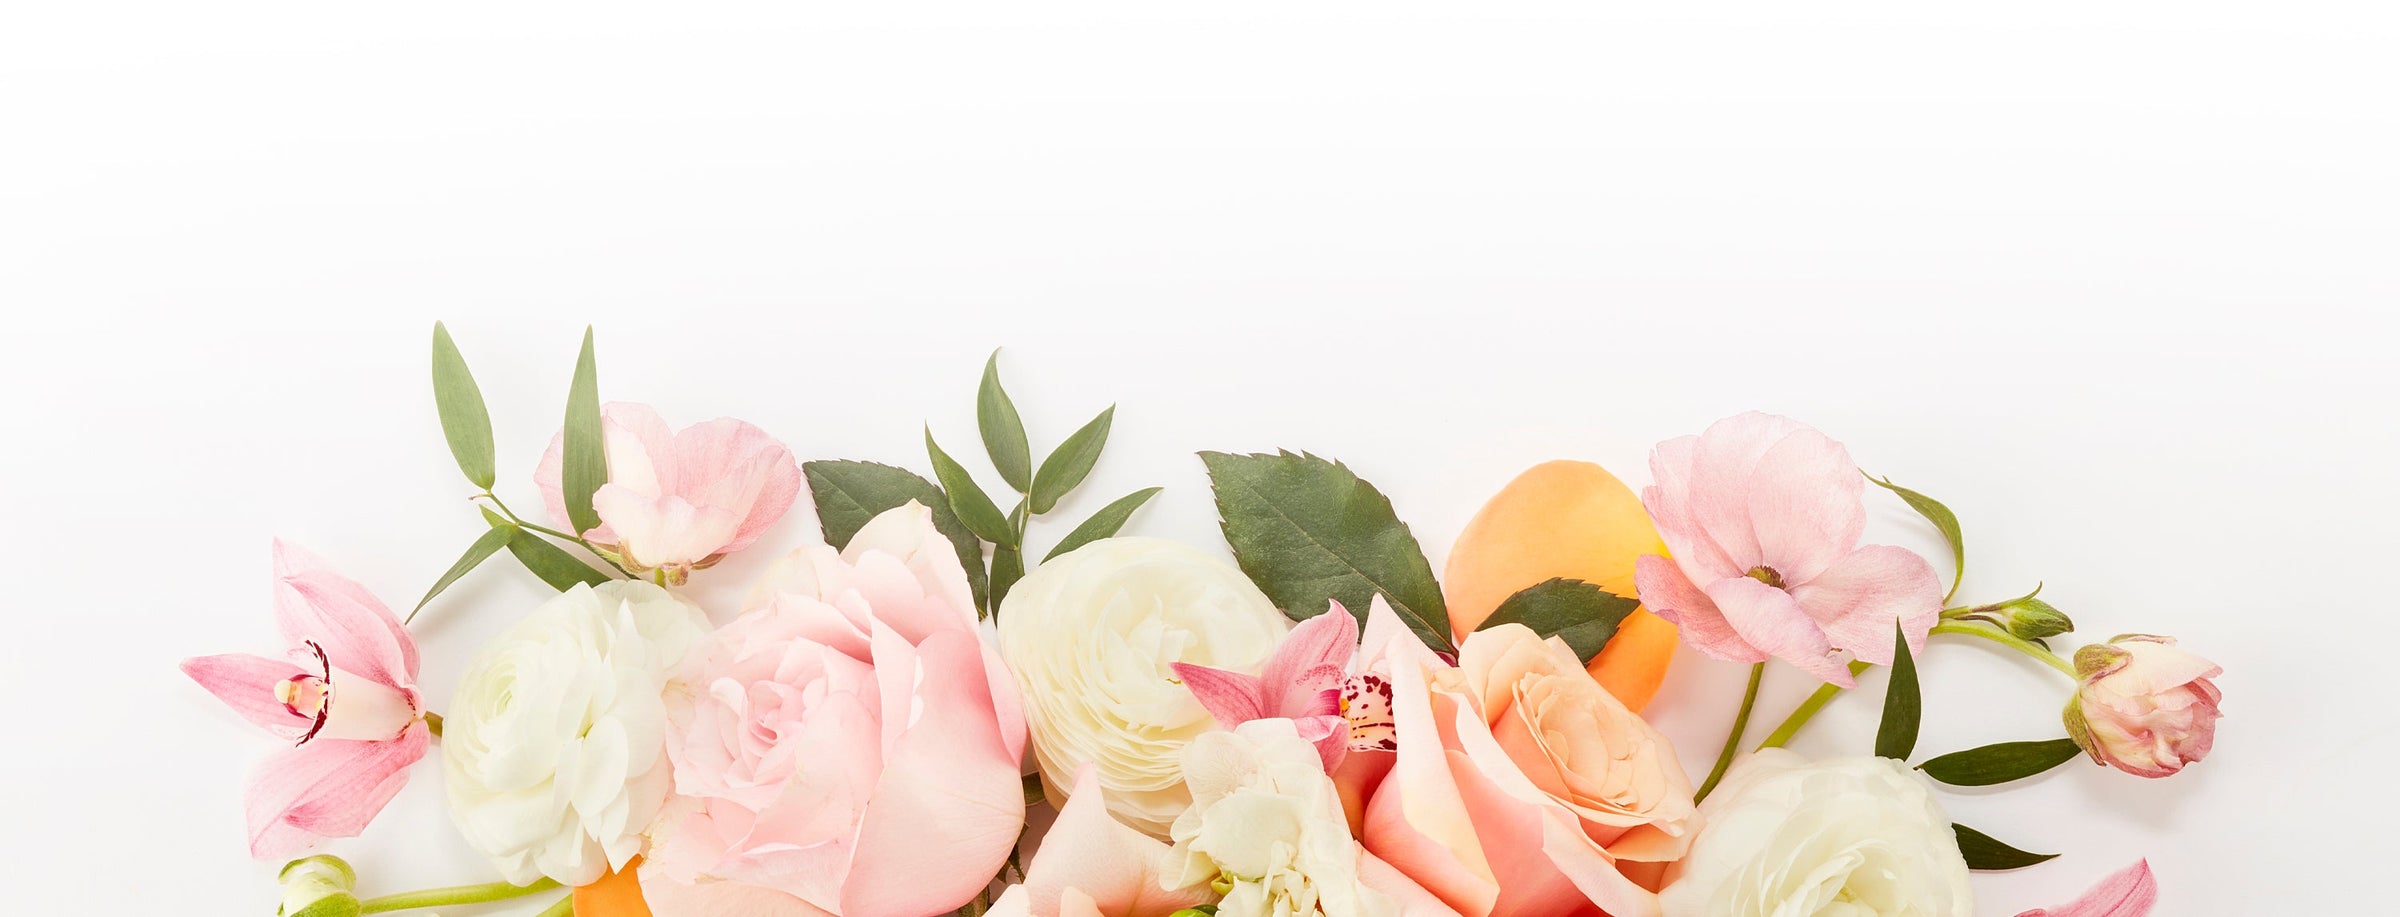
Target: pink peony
(2144,707)
(345,693)
(2128,892)
(853,747)
(1763,515)
(678,500)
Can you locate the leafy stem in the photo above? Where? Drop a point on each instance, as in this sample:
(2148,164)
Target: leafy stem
(1733,738)
(520,522)
(452,896)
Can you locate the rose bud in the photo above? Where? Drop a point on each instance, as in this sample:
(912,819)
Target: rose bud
(318,886)
(2144,707)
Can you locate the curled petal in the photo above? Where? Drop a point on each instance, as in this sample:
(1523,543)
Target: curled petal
(357,633)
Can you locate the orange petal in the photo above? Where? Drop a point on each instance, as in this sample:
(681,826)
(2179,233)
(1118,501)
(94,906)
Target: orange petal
(618,894)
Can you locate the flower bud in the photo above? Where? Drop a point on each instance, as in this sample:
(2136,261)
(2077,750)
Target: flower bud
(2030,618)
(318,886)
(2143,706)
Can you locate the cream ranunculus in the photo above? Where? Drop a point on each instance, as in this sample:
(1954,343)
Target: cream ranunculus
(554,750)
(1092,637)
(1847,837)
(1266,826)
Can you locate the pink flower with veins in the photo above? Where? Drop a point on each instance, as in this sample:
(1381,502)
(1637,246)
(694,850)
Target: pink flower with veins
(677,500)
(2128,892)
(1315,680)
(345,694)
(1764,515)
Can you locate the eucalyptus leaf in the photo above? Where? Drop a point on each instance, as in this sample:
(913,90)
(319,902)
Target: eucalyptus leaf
(849,493)
(1008,566)
(1903,706)
(551,562)
(1309,532)
(1582,614)
(465,422)
(1943,519)
(1070,462)
(1983,852)
(584,464)
(1003,431)
(1992,765)
(966,498)
(490,543)
(1103,524)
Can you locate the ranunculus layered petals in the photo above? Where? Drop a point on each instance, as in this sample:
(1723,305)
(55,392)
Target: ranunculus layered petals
(1113,869)
(1769,618)
(247,683)
(1665,589)
(949,804)
(1860,598)
(1783,836)
(2128,892)
(358,633)
(325,789)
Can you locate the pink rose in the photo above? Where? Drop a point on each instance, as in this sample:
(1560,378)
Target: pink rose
(677,500)
(1763,515)
(2145,707)
(853,747)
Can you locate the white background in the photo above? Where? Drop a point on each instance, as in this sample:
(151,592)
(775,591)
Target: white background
(2108,278)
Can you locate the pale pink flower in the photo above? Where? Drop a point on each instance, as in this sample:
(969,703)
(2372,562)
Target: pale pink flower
(677,500)
(1091,865)
(1314,680)
(345,694)
(1764,515)
(853,746)
(2144,707)
(2128,892)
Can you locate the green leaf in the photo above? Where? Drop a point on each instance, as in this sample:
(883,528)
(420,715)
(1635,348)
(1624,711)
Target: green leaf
(1992,765)
(551,562)
(1943,519)
(966,499)
(1903,707)
(1008,566)
(1578,612)
(584,465)
(1982,852)
(1070,462)
(465,423)
(1003,430)
(483,548)
(1309,532)
(1103,524)
(848,494)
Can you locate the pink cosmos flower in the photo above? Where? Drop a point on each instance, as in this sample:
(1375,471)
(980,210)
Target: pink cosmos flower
(2128,892)
(1315,681)
(345,694)
(677,500)
(2144,707)
(1764,515)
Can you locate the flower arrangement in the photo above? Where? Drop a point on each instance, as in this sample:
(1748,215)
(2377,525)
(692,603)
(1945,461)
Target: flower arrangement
(908,718)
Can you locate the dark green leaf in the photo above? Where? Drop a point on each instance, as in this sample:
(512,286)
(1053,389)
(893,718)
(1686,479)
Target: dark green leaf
(1310,532)
(1070,462)
(850,493)
(584,466)
(491,543)
(1003,430)
(1943,519)
(551,562)
(966,499)
(1008,566)
(1992,765)
(465,423)
(1982,852)
(1903,707)
(1103,524)
(1578,612)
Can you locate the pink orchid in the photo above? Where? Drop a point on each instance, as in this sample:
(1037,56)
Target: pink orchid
(677,500)
(1315,680)
(2128,892)
(345,693)
(1764,516)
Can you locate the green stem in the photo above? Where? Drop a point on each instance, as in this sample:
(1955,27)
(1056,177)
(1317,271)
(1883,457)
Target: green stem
(2012,641)
(454,895)
(1733,739)
(520,522)
(564,908)
(1807,709)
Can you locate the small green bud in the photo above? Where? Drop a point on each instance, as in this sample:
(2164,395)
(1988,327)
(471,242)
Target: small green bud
(2030,618)
(318,886)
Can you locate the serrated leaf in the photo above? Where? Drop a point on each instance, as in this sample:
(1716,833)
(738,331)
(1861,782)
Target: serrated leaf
(465,422)
(1903,706)
(2000,763)
(1103,524)
(1578,612)
(848,493)
(1003,431)
(1942,519)
(1008,566)
(484,547)
(1984,852)
(551,562)
(1309,532)
(966,498)
(584,464)
(1070,462)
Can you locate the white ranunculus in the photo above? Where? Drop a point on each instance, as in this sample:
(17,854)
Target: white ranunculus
(1847,837)
(1266,826)
(1092,636)
(554,749)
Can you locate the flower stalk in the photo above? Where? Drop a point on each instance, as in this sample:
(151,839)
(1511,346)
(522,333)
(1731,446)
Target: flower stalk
(1733,738)
(453,896)
(1985,631)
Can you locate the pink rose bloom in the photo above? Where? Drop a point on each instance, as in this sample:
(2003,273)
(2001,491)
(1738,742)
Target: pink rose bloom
(2144,707)
(677,500)
(2129,892)
(1764,515)
(345,694)
(854,748)
(1091,865)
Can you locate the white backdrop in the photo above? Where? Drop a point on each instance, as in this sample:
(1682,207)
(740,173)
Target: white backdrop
(2108,278)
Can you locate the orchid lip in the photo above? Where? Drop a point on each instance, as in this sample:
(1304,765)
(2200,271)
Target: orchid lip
(290,689)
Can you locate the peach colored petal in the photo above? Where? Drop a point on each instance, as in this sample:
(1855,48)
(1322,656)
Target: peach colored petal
(1113,869)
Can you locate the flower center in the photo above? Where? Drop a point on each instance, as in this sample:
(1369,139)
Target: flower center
(1767,575)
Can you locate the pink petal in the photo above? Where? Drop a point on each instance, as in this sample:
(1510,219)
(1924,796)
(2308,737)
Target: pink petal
(1856,601)
(1723,461)
(1119,870)
(1310,660)
(1670,504)
(950,803)
(1805,506)
(1417,820)
(732,465)
(1769,619)
(670,898)
(2128,892)
(629,435)
(1232,697)
(325,789)
(1665,590)
(359,634)
(1413,900)
(1330,734)
(663,531)
(247,684)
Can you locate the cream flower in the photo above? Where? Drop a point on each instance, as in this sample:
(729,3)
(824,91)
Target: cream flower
(554,749)
(1847,837)
(1092,638)
(1266,825)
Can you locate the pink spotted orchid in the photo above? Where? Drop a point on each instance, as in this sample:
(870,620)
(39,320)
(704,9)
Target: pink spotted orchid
(344,693)
(1317,679)
(2128,892)
(1764,516)
(677,500)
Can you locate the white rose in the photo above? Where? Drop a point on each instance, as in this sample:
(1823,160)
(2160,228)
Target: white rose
(1091,637)
(1849,837)
(554,749)
(1266,826)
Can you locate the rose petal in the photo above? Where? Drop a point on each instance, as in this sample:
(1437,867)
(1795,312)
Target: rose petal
(949,805)
(1089,854)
